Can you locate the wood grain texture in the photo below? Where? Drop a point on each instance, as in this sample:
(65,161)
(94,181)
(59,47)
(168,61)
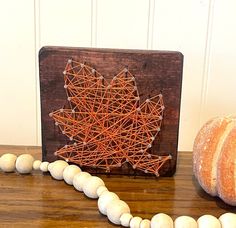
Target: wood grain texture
(155,72)
(37,200)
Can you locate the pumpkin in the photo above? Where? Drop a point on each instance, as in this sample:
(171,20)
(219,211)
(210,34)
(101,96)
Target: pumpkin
(214,158)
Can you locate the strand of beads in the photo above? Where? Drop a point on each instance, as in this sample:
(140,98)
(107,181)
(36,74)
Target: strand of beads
(109,204)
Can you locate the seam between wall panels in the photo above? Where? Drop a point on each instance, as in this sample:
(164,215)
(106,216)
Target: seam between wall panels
(93,42)
(150,26)
(206,67)
(36,49)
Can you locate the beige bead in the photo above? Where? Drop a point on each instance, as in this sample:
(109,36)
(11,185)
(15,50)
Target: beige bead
(185,222)
(8,162)
(57,168)
(162,220)
(44,166)
(36,164)
(50,166)
(125,219)
(101,189)
(79,180)
(91,185)
(104,199)
(208,221)
(228,220)
(135,222)
(115,209)
(69,172)
(24,163)
(145,223)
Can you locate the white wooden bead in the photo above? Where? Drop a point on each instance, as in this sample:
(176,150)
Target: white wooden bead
(135,222)
(145,223)
(91,185)
(162,220)
(228,220)
(125,219)
(24,163)
(56,170)
(115,209)
(104,199)
(80,179)
(36,164)
(8,162)
(185,222)
(50,166)
(101,189)
(69,172)
(44,166)
(208,221)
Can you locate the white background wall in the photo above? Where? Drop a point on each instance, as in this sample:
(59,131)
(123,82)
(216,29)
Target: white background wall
(203,30)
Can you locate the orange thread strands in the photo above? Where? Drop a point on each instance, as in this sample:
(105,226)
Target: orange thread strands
(106,123)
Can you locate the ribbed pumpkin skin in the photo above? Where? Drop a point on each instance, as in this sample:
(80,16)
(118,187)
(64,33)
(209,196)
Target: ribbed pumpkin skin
(214,158)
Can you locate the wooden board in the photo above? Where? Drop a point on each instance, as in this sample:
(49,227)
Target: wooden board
(154,71)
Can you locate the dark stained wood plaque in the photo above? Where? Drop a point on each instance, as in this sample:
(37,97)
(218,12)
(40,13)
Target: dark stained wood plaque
(155,72)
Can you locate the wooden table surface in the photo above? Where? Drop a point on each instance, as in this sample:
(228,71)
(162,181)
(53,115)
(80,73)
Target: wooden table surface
(37,200)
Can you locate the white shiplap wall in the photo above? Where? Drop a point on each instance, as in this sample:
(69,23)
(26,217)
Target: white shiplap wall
(202,30)
(18,100)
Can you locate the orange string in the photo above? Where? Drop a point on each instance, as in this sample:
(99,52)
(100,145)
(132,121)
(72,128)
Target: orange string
(106,123)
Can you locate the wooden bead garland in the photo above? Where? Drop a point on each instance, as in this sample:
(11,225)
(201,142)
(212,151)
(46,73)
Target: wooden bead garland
(117,211)
(50,166)
(24,163)
(208,221)
(69,172)
(145,223)
(185,222)
(80,179)
(7,162)
(91,185)
(43,166)
(125,219)
(57,169)
(135,222)
(162,220)
(103,201)
(36,164)
(101,189)
(228,220)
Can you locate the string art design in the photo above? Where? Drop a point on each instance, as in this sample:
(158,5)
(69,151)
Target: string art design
(106,122)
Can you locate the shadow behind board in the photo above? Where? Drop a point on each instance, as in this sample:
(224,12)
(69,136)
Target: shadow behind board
(155,72)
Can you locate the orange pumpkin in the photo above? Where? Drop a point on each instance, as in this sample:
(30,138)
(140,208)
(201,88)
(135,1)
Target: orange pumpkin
(214,158)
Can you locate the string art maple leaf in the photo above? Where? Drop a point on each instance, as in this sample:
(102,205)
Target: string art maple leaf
(106,123)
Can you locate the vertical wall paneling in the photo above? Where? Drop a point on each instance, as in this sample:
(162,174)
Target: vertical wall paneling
(94,23)
(151,16)
(203,30)
(17,64)
(221,92)
(122,24)
(182,26)
(65,23)
(37,90)
(205,79)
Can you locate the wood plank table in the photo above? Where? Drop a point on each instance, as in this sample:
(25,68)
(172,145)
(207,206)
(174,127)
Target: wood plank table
(37,200)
